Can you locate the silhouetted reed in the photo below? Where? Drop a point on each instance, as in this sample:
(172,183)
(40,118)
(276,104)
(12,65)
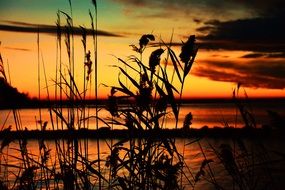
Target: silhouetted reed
(148,163)
(138,160)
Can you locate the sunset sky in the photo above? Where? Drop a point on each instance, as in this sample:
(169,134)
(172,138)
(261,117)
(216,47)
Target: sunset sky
(240,41)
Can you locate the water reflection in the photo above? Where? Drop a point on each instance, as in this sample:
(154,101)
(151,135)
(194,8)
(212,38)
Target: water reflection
(194,153)
(211,114)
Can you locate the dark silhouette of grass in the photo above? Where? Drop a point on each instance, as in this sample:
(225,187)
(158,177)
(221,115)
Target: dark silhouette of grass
(107,133)
(145,155)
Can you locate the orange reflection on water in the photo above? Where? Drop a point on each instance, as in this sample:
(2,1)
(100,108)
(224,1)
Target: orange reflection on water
(194,152)
(204,114)
(13,162)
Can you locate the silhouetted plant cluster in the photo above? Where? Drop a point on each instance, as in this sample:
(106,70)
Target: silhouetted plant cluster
(149,98)
(153,162)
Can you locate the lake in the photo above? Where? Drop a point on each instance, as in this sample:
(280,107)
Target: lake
(267,154)
(194,152)
(204,114)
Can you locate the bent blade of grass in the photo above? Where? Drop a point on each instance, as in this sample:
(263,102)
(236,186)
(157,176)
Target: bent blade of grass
(128,65)
(174,62)
(188,66)
(160,91)
(129,77)
(125,89)
(171,98)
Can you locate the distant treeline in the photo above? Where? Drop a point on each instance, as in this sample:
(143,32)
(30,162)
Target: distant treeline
(106,133)
(23,101)
(11,98)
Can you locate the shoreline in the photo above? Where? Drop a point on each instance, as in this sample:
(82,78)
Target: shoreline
(35,104)
(105,133)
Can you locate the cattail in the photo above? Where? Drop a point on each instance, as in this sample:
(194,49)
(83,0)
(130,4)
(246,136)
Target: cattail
(88,64)
(187,121)
(154,59)
(188,50)
(144,96)
(145,39)
(143,42)
(112,105)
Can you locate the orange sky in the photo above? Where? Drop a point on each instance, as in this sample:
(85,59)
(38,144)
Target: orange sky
(214,74)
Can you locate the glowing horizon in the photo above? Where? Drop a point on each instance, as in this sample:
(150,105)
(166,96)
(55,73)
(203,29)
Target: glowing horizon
(222,60)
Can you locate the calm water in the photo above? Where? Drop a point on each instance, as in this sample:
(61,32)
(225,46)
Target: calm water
(203,114)
(210,114)
(192,152)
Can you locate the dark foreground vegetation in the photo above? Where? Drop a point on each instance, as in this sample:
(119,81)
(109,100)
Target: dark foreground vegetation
(26,102)
(106,133)
(146,155)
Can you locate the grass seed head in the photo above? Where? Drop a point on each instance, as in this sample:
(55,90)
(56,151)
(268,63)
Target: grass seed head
(188,50)
(154,59)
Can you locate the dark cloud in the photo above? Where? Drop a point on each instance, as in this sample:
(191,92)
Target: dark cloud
(183,4)
(152,15)
(265,30)
(256,70)
(266,8)
(263,33)
(266,55)
(205,29)
(197,20)
(262,7)
(251,81)
(12,26)
(269,47)
(262,73)
(276,50)
(259,26)
(253,55)
(186,8)
(255,26)
(212,22)
(18,49)
(276,55)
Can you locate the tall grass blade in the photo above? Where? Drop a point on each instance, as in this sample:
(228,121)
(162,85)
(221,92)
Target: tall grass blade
(174,62)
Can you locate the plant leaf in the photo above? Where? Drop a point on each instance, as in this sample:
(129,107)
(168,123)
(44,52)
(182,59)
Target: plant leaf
(188,66)
(125,89)
(130,78)
(160,91)
(174,62)
(171,98)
